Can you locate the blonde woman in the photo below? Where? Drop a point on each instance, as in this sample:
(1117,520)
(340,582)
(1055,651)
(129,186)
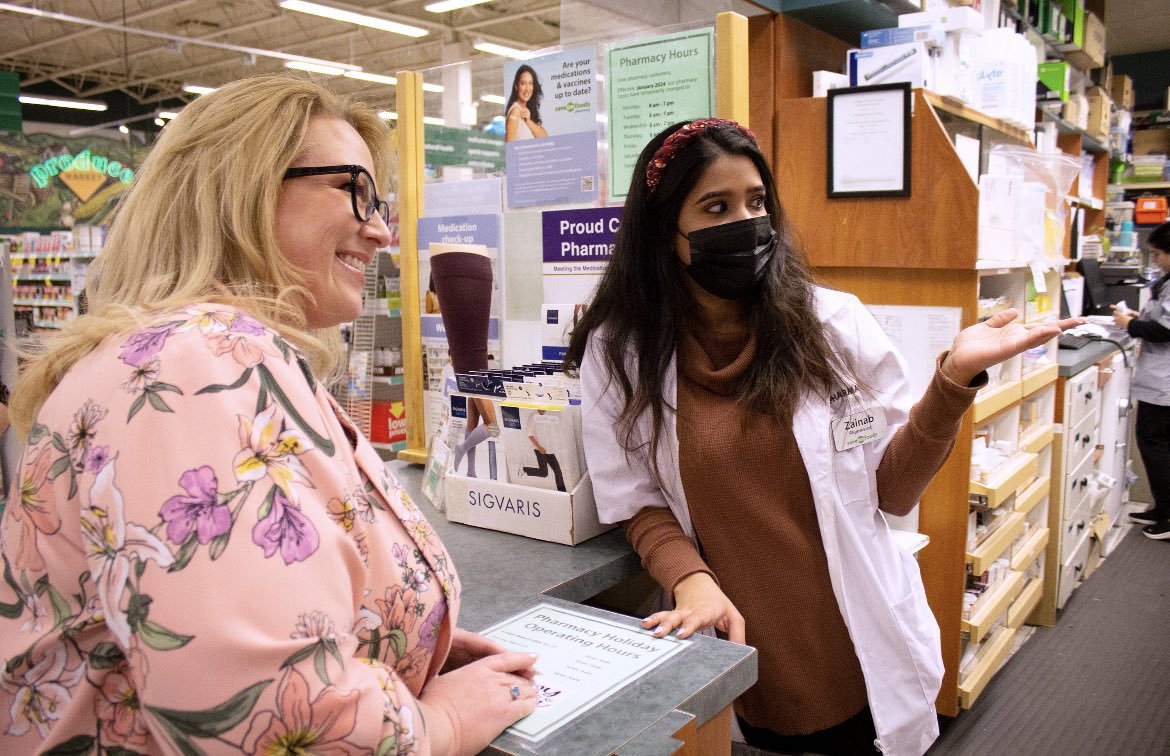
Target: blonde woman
(202,553)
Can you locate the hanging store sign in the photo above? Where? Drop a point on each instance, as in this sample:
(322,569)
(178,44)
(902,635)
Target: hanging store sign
(84,173)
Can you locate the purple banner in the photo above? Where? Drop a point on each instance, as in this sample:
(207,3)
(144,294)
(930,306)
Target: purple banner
(580,236)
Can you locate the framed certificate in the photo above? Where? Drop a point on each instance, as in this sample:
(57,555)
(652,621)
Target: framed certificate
(869,141)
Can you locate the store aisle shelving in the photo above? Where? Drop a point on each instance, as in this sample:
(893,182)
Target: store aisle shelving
(1098,683)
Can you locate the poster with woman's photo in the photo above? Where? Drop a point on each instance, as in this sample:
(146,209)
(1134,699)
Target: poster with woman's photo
(550,128)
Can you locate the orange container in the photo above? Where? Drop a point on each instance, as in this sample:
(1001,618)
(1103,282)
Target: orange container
(1150,210)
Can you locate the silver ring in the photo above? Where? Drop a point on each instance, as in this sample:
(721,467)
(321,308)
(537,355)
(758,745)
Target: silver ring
(515,692)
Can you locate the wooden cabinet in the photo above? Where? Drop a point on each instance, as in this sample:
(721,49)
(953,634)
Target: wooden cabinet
(922,251)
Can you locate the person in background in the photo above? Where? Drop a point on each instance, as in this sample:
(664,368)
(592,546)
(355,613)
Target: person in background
(1151,386)
(202,553)
(522,111)
(752,430)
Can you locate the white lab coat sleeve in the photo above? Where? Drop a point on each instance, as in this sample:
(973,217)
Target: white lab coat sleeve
(623,483)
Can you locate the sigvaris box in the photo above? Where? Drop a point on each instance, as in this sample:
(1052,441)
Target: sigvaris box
(568,518)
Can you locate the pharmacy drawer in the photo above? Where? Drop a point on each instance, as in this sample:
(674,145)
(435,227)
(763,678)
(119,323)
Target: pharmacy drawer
(1074,527)
(1080,396)
(1077,487)
(1072,570)
(1081,441)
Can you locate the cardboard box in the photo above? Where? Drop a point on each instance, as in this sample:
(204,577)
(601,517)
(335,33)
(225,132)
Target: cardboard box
(1073,112)
(568,518)
(1121,90)
(1092,52)
(1100,108)
(1151,141)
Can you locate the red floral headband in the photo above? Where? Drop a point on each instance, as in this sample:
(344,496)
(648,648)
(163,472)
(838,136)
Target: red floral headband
(680,139)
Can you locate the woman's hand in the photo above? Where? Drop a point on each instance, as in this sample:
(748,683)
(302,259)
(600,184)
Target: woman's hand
(518,111)
(468,647)
(698,604)
(1122,318)
(467,708)
(982,345)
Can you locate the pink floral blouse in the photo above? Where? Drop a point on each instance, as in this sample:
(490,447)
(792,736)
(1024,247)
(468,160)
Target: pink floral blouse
(201,555)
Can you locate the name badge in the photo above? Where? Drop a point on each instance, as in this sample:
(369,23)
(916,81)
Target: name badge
(859,428)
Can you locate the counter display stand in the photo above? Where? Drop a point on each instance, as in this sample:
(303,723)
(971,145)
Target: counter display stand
(922,250)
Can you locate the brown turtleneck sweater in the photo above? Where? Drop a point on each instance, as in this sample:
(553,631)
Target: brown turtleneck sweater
(752,508)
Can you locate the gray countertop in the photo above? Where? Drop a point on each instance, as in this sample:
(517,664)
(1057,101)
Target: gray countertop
(1073,361)
(503,574)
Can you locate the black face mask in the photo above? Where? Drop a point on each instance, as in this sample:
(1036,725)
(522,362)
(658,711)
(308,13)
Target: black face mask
(728,260)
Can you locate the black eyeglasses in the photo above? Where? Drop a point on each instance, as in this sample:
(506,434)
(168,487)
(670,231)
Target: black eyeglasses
(362,191)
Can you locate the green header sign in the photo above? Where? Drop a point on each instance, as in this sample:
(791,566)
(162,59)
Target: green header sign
(445,145)
(653,83)
(10,117)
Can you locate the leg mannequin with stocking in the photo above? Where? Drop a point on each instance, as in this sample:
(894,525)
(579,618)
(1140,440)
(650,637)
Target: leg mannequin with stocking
(463,282)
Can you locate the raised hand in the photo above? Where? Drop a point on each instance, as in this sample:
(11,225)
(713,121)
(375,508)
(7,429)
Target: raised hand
(1001,336)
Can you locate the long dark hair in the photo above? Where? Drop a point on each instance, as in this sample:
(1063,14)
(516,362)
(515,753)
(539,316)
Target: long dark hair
(533,101)
(643,304)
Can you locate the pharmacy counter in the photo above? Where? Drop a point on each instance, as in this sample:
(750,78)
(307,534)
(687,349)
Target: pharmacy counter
(1073,361)
(687,698)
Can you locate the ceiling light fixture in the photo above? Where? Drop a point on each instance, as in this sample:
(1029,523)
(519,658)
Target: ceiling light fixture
(252,51)
(197,89)
(507,52)
(496,99)
(350,17)
(449,5)
(387,115)
(159,122)
(124,129)
(315,68)
(376,78)
(434,121)
(167,115)
(63,102)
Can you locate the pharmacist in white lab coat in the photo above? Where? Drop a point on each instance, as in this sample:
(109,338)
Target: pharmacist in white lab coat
(750,428)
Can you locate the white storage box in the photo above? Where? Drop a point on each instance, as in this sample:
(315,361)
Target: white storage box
(568,518)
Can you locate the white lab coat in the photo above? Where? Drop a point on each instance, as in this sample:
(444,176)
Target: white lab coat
(878,586)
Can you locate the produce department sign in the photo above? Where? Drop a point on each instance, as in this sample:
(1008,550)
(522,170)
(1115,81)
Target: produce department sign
(51,182)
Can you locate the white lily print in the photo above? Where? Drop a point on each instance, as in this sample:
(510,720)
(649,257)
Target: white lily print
(114,545)
(268,449)
(41,694)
